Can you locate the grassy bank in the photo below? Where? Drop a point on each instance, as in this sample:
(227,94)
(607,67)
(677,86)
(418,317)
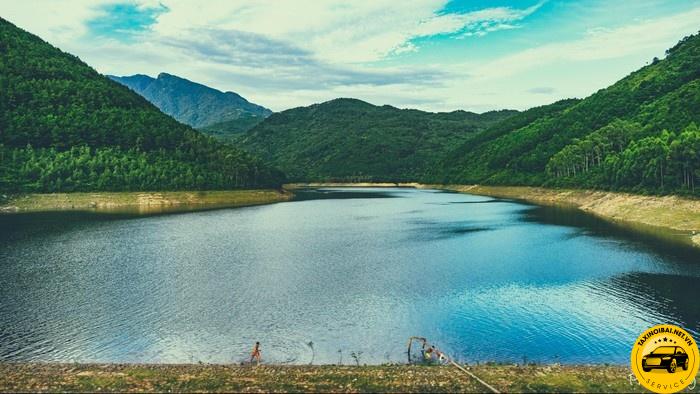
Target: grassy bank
(265,378)
(678,216)
(141,202)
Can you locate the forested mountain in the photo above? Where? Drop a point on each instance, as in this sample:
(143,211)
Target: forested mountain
(351,140)
(451,165)
(638,134)
(221,114)
(64,127)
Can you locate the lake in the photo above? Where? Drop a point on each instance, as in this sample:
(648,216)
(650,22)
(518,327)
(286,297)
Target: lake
(350,270)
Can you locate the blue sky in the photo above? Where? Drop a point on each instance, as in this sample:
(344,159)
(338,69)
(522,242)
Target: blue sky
(552,21)
(429,54)
(123,21)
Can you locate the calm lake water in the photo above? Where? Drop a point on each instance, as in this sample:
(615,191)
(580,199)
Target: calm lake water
(351,270)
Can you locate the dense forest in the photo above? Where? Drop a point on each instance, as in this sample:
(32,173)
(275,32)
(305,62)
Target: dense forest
(232,130)
(639,134)
(351,140)
(64,127)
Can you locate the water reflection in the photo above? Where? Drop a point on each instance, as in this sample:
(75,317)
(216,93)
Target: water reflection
(670,243)
(303,194)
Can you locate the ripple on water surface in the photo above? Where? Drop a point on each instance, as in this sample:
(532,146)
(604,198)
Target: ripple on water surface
(349,270)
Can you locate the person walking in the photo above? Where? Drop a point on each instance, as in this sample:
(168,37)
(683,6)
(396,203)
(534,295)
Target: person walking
(255,354)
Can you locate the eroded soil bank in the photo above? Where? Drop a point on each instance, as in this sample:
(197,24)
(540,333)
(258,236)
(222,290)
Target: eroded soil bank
(142,202)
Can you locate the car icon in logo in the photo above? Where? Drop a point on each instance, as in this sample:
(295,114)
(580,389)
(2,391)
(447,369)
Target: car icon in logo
(666,357)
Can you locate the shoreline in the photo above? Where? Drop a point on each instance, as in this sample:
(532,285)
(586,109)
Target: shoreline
(673,214)
(142,202)
(55,377)
(678,217)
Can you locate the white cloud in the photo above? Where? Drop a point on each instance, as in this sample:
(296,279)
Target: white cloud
(576,68)
(264,46)
(599,44)
(334,30)
(478,22)
(57,21)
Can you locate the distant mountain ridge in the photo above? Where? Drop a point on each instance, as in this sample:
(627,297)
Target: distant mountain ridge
(193,103)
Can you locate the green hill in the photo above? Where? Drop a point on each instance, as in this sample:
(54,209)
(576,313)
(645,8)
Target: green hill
(451,165)
(64,127)
(638,134)
(231,130)
(351,140)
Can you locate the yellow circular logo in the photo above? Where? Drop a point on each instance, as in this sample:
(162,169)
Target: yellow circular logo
(665,359)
